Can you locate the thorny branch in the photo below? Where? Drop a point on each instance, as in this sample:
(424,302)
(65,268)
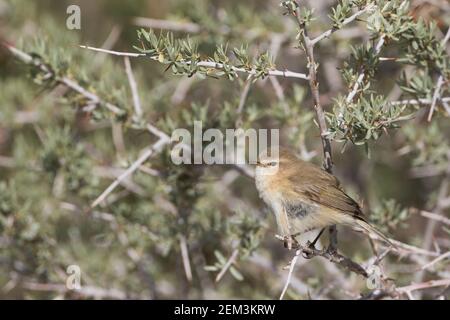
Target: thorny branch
(208,64)
(94,100)
(308,46)
(439,83)
(310,252)
(362,74)
(353,17)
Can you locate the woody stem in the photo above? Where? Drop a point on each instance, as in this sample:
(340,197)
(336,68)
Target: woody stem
(308,45)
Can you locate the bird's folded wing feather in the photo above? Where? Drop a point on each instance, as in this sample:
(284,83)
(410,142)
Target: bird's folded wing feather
(323,189)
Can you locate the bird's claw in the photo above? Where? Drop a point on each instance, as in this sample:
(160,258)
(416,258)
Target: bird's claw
(290,242)
(308,254)
(331,250)
(310,245)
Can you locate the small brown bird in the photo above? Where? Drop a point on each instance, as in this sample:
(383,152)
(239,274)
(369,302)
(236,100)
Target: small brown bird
(304,197)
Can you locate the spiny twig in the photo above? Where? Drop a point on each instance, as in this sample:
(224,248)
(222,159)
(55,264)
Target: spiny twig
(191,27)
(134,90)
(353,17)
(308,46)
(291,270)
(362,74)
(344,262)
(414,101)
(228,264)
(423,285)
(207,64)
(439,83)
(136,165)
(185,257)
(433,262)
(94,100)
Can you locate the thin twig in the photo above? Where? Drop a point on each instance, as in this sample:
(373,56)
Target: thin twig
(308,46)
(436,97)
(244,94)
(362,74)
(414,101)
(169,25)
(191,27)
(94,100)
(207,64)
(328,33)
(344,262)
(134,89)
(433,262)
(314,86)
(424,285)
(185,257)
(402,248)
(435,216)
(109,43)
(147,154)
(291,270)
(228,264)
(446,38)
(431,225)
(439,83)
(182,89)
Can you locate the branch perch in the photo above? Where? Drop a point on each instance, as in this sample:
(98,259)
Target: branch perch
(207,64)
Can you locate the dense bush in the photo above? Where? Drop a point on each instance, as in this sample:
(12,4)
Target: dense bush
(86,178)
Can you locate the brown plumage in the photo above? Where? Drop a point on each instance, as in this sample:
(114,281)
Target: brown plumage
(304,197)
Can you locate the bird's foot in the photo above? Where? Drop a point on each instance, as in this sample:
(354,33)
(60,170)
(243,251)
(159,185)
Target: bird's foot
(311,245)
(332,250)
(290,242)
(308,253)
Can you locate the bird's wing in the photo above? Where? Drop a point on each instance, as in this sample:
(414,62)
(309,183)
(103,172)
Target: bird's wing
(323,188)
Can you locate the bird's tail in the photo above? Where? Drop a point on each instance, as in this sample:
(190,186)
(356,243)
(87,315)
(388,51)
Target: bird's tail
(371,230)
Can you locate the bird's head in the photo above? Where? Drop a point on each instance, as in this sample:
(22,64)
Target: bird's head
(271,160)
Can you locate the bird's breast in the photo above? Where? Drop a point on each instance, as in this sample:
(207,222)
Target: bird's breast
(271,196)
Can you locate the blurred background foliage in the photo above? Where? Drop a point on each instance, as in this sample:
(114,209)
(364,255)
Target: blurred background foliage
(57,155)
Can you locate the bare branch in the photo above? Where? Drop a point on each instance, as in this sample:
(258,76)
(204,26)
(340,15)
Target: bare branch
(439,83)
(189,27)
(414,101)
(308,46)
(182,89)
(424,285)
(362,74)
(208,64)
(94,100)
(436,97)
(435,216)
(243,99)
(353,17)
(134,89)
(228,264)
(147,154)
(291,270)
(433,262)
(185,257)
(344,262)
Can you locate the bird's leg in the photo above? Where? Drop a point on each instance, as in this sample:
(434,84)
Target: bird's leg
(332,248)
(312,245)
(290,242)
